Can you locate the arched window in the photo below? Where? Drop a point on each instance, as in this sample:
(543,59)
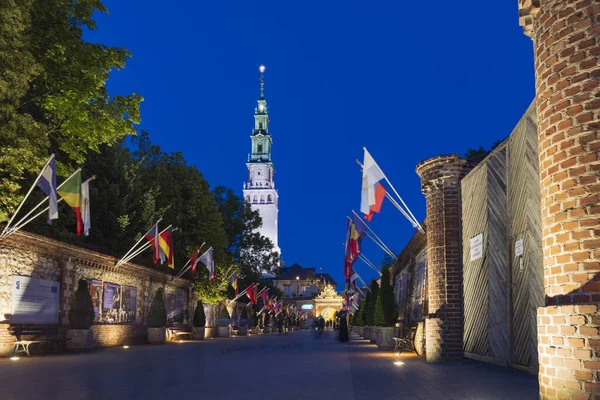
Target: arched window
(258,173)
(260,125)
(262,199)
(255,198)
(260,148)
(248,199)
(269,198)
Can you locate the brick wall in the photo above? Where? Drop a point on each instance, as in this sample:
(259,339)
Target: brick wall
(26,254)
(566,46)
(440,178)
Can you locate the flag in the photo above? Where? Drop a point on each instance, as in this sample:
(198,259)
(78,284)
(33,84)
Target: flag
(348,257)
(234,283)
(357,232)
(353,279)
(152,237)
(70,191)
(208,260)
(86,218)
(251,293)
(379,196)
(265,296)
(47,182)
(165,241)
(372,174)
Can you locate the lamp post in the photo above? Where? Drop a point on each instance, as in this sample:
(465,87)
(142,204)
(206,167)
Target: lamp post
(298,286)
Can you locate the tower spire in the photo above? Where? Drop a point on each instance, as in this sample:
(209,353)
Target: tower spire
(262,81)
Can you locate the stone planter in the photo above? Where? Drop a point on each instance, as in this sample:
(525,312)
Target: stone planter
(365,332)
(157,335)
(198,333)
(80,339)
(210,333)
(384,337)
(373,332)
(223,331)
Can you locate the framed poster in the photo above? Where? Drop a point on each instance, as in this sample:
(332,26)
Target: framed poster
(476,247)
(129,303)
(111,302)
(95,288)
(34,301)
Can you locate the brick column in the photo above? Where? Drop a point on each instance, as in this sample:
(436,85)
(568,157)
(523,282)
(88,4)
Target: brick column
(440,177)
(566,48)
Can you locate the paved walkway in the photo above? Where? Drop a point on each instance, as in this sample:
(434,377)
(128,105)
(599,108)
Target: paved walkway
(295,366)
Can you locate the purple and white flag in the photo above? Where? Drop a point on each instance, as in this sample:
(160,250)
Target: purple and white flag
(208,260)
(47,183)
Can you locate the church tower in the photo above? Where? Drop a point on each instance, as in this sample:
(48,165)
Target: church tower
(260,191)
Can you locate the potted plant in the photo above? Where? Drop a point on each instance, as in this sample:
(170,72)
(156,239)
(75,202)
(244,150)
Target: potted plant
(243,324)
(157,318)
(199,321)
(385,312)
(82,315)
(370,312)
(223,323)
(267,322)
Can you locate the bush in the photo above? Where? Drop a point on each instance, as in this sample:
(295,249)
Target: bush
(157,315)
(82,315)
(199,316)
(370,306)
(385,310)
(244,314)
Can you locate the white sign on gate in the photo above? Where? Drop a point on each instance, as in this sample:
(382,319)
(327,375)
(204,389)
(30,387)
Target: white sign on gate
(477,247)
(34,301)
(519,247)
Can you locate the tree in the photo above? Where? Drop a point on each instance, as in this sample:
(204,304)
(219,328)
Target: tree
(53,95)
(157,314)
(199,316)
(82,316)
(364,320)
(481,153)
(370,307)
(385,309)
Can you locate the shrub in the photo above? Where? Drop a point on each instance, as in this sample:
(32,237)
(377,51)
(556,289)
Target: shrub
(244,314)
(157,315)
(199,316)
(82,315)
(385,309)
(370,306)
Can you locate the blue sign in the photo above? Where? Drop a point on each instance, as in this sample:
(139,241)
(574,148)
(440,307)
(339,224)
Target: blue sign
(308,306)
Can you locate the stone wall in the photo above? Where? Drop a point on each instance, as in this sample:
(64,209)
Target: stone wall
(26,254)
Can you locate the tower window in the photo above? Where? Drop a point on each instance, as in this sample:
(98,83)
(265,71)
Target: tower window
(248,199)
(260,149)
(255,198)
(269,198)
(258,173)
(260,125)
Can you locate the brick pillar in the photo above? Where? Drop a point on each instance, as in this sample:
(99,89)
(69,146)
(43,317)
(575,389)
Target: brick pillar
(440,177)
(566,48)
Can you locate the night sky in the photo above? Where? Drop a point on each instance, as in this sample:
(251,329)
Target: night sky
(407,79)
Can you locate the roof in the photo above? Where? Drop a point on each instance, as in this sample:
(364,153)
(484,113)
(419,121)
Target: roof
(296,270)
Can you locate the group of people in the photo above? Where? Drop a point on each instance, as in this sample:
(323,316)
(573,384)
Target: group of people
(341,325)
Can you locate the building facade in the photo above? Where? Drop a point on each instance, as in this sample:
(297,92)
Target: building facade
(260,190)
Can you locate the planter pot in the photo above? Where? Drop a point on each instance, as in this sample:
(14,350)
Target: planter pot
(384,337)
(198,333)
(223,331)
(80,339)
(365,332)
(373,332)
(210,333)
(157,335)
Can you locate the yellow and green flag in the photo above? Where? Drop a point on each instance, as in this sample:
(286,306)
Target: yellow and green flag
(70,191)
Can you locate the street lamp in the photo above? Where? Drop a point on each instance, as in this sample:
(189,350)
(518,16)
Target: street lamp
(298,286)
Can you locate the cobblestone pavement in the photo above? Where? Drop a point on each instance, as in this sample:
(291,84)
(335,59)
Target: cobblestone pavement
(293,366)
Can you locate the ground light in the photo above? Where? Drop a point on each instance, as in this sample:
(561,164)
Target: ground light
(125,347)
(398,363)
(398,354)
(14,358)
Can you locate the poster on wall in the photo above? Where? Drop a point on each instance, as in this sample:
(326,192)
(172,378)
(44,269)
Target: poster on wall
(174,303)
(477,247)
(111,302)
(418,295)
(129,303)
(34,301)
(95,288)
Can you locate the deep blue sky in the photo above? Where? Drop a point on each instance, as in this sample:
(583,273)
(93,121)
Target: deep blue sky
(407,80)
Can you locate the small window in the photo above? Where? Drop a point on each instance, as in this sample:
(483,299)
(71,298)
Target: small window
(255,198)
(260,148)
(269,198)
(248,199)
(260,125)
(258,173)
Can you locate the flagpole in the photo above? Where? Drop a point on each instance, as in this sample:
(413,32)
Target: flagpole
(410,219)
(386,249)
(28,193)
(135,245)
(369,263)
(240,295)
(395,192)
(143,248)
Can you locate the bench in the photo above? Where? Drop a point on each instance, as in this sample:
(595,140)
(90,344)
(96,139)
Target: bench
(406,342)
(37,335)
(179,331)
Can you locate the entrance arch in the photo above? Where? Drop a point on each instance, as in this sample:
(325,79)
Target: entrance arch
(328,313)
